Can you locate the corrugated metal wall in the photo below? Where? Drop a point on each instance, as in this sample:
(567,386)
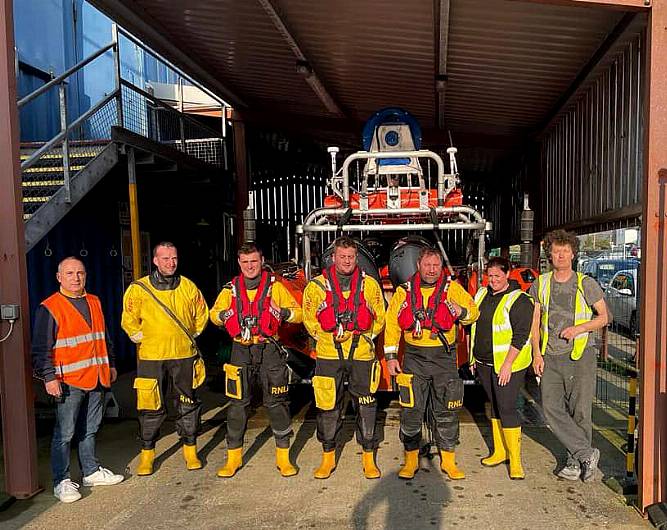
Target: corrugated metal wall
(505,208)
(592,156)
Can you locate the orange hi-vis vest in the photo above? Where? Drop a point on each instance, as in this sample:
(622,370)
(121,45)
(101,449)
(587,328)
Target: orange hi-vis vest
(80,353)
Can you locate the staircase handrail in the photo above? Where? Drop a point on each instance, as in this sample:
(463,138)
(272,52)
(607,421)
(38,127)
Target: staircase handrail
(34,157)
(160,103)
(61,82)
(67,73)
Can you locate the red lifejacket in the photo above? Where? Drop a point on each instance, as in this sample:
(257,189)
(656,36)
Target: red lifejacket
(257,318)
(352,313)
(436,317)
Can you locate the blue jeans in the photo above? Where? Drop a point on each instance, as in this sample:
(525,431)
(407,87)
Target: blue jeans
(78,417)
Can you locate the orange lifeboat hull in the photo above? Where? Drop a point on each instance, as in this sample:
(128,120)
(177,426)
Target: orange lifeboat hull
(410,198)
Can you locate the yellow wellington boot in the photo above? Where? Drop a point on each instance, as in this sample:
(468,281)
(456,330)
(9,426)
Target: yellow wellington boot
(192,462)
(327,466)
(499,454)
(282,461)
(513,441)
(368,461)
(234,462)
(145,466)
(448,465)
(411,465)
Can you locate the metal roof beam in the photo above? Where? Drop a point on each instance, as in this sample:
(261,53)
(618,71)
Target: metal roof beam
(623,5)
(136,21)
(349,128)
(304,66)
(443,45)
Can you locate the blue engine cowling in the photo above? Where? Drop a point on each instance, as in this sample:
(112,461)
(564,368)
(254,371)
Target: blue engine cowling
(392,137)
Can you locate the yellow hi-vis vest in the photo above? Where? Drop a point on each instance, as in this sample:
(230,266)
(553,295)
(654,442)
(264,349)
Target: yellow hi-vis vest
(502,332)
(582,313)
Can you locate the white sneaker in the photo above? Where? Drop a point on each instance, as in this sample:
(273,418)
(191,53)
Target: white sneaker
(67,491)
(102,477)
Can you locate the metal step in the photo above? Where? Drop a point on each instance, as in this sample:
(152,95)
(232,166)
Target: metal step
(42,183)
(52,208)
(56,156)
(36,199)
(48,160)
(50,169)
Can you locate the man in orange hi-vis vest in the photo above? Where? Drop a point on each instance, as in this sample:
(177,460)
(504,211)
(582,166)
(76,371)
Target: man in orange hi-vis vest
(72,355)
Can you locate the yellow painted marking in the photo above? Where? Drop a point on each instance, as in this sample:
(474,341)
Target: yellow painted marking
(613,437)
(632,390)
(35,199)
(51,169)
(616,414)
(54,157)
(36,183)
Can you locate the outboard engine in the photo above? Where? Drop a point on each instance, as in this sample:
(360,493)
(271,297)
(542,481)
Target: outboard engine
(403,258)
(392,129)
(365,259)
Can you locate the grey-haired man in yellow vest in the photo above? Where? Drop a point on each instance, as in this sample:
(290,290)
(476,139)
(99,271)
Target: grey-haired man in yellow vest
(568,307)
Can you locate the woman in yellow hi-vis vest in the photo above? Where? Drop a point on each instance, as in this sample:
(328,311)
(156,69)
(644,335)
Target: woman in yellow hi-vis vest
(500,353)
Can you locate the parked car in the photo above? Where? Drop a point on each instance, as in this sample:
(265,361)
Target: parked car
(603,270)
(621,295)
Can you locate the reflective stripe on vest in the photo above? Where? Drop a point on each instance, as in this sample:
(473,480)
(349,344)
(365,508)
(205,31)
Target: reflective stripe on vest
(502,332)
(79,365)
(582,313)
(73,342)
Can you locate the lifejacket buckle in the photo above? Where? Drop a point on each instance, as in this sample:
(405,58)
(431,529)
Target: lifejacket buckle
(246,330)
(342,335)
(250,322)
(345,317)
(246,336)
(417,331)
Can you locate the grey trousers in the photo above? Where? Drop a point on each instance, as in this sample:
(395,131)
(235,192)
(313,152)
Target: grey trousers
(568,388)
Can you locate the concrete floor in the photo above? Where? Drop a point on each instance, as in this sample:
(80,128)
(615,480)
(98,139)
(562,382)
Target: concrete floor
(257,497)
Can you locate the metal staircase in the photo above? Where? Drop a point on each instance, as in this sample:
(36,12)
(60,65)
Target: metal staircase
(58,173)
(43,180)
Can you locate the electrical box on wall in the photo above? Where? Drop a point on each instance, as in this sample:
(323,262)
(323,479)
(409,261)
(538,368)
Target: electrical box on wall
(9,312)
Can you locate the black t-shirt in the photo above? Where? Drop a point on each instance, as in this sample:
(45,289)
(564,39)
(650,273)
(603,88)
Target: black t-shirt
(521,318)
